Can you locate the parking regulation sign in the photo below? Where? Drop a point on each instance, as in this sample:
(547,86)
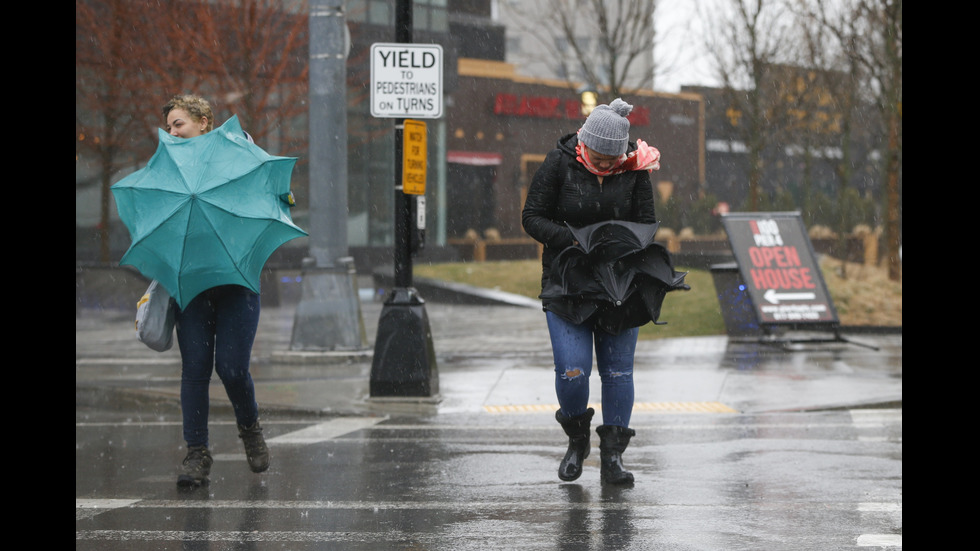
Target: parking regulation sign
(406,80)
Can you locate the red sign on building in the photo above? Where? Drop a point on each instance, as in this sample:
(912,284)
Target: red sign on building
(546,107)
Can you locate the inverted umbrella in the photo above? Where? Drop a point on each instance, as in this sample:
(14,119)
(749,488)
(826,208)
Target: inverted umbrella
(206,211)
(615,275)
(607,241)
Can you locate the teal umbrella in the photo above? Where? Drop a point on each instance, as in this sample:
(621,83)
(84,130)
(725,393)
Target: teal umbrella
(206,211)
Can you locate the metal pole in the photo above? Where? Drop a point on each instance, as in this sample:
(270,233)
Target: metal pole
(403,254)
(328,132)
(328,316)
(403,249)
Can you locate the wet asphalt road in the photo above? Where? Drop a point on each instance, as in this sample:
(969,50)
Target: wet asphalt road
(477,470)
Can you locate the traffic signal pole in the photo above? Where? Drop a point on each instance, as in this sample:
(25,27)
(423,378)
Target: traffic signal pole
(328,316)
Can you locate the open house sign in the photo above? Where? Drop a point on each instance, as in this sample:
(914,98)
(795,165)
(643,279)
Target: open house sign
(779,268)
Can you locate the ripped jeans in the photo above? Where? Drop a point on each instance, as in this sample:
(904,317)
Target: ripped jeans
(572,347)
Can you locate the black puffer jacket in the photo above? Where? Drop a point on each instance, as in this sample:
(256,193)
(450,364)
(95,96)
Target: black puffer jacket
(564,192)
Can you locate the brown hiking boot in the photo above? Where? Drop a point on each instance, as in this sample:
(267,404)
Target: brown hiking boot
(256,451)
(194,469)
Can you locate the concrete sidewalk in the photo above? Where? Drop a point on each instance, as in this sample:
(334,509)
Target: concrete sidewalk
(494,359)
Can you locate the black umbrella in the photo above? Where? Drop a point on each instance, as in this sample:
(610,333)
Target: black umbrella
(615,275)
(614,239)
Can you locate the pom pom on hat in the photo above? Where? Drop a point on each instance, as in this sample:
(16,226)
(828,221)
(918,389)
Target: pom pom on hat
(607,131)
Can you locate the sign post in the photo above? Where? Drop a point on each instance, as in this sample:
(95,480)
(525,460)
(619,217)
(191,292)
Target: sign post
(406,83)
(779,271)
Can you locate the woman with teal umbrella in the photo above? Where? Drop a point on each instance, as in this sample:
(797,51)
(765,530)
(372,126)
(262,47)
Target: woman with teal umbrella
(215,333)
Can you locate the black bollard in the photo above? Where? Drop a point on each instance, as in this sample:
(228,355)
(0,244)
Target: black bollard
(404,362)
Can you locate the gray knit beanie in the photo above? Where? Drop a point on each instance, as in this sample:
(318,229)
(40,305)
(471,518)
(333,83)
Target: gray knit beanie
(606,130)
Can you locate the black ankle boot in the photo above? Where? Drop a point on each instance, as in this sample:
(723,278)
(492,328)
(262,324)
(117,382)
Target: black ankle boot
(612,443)
(578,429)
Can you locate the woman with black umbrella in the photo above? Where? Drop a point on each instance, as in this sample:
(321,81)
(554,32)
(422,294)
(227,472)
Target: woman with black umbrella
(592,176)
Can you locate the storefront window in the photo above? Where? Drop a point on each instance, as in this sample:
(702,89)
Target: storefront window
(427,15)
(370,181)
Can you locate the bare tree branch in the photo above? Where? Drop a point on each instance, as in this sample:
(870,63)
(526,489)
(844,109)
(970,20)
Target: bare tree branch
(606,44)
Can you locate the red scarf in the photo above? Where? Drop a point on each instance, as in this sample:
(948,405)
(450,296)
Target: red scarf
(643,157)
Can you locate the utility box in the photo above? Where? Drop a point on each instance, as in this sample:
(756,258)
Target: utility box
(736,303)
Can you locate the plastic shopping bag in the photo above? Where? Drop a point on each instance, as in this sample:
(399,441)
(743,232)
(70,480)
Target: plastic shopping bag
(155,318)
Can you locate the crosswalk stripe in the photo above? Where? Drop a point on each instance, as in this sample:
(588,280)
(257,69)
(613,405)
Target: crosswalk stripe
(327,430)
(666,407)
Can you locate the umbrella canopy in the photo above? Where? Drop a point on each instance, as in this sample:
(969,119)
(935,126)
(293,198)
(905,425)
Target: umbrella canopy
(206,211)
(615,276)
(608,241)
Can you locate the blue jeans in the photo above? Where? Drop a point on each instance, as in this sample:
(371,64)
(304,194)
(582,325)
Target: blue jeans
(215,332)
(571,345)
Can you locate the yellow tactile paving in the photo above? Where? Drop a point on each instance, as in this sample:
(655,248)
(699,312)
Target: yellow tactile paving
(665,407)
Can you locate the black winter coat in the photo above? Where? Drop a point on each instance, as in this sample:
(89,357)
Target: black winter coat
(564,192)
